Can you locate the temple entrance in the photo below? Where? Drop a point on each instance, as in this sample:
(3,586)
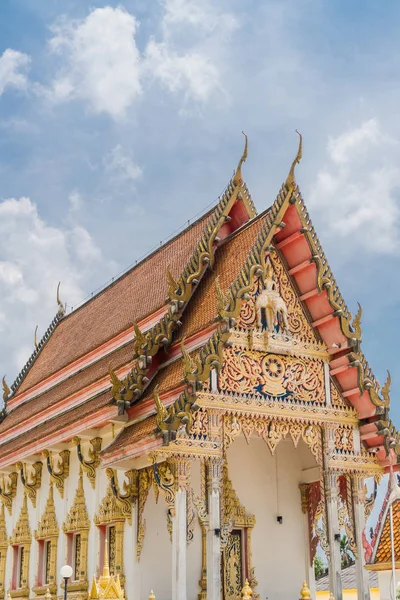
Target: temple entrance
(272,551)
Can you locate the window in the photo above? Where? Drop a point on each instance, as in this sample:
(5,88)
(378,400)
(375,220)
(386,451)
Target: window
(18,579)
(76,556)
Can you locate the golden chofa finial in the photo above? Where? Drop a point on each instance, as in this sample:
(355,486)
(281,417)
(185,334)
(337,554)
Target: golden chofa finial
(238,178)
(35,338)
(6,389)
(290,180)
(61,308)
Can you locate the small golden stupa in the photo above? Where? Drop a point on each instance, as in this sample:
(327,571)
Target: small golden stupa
(107,587)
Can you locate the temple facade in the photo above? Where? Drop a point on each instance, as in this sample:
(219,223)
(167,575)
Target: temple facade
(207,418)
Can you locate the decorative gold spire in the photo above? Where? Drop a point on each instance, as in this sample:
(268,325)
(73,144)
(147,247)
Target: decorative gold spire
(6,389)
(305,592)
(238,178)
(35,338)
(61,309)
(290,180)
(356,324)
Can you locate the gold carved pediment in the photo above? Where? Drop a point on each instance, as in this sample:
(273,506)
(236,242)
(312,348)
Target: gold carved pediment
(272,376)
(109,510)
(3,530)
(22,533)
(48,526)
(273,304)
(77,518)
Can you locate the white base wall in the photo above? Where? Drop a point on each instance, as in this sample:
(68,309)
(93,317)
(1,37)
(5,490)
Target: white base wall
(268,487)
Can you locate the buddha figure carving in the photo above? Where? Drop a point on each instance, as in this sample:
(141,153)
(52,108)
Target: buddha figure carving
(271,304)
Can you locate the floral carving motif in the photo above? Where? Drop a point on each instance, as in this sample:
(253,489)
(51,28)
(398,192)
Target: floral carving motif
(272,375)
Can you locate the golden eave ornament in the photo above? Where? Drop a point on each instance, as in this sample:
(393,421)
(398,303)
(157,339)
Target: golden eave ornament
(290,180)
(6,389)
(61,308)
(238,177)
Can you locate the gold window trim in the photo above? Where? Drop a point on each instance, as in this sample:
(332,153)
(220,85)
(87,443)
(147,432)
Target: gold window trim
(77,521)
(48,530)
(110,513)
(22,537)
(3,550)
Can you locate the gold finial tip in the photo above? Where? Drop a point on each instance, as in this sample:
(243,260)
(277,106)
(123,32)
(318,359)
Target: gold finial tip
(290,180)
(238,179)
(305,592)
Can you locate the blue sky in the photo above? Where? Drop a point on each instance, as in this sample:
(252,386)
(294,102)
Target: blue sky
(119,122)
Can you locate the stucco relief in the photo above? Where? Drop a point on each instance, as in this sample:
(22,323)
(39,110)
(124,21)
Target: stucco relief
(272,376)
(273,304)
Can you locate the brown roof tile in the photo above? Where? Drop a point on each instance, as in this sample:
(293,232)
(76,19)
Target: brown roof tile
(71,385)
(135,295)
(132,434)
(53,425)
(230,257)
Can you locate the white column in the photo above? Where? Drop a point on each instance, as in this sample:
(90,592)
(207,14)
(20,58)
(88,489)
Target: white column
(182,470)
(213,533)
(335,574)
(359,528)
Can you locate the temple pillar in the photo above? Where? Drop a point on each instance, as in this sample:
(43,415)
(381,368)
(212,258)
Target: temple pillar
(359,529)
(335,566)
(309,559)
(214,530)
(179,528)
(332,516)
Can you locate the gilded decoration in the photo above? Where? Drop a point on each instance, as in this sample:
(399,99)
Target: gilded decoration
(272,432)
(8,490)
(3,550)
(31,478)
(273,304)
(344,439)
(77,521)
(90,464)
(164,484)
(312,506)
(124,500)
(107,586)
(236,521)
(48,530)
(346,511)
(58,468)
(110,512)
(272,376)
(22,537)
(145,482)
(200,423)
(337,399)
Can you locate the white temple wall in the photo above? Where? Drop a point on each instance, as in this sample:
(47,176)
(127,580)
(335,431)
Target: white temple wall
(385,584)
(156,557)
(268,487)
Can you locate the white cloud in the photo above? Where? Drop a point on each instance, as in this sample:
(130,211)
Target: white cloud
(121,166)
(13,67)
(101,63)
(101,60)
(35,256)
(358,191)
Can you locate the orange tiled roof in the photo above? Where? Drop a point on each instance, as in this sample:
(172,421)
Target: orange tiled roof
(131,435)
(57,423)
(384,553)
(75,383)
(202,309)
(135,295)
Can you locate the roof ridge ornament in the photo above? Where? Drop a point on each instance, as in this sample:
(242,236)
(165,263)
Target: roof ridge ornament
(290,180)
(162,412)
(61,307)
(35,342)
(238,177)
(6,389)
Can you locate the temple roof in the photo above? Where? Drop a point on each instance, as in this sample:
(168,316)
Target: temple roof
(382,551)
(132,297)
(349,580)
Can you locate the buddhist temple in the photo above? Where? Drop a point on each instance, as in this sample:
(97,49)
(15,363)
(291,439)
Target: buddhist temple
(206,419)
